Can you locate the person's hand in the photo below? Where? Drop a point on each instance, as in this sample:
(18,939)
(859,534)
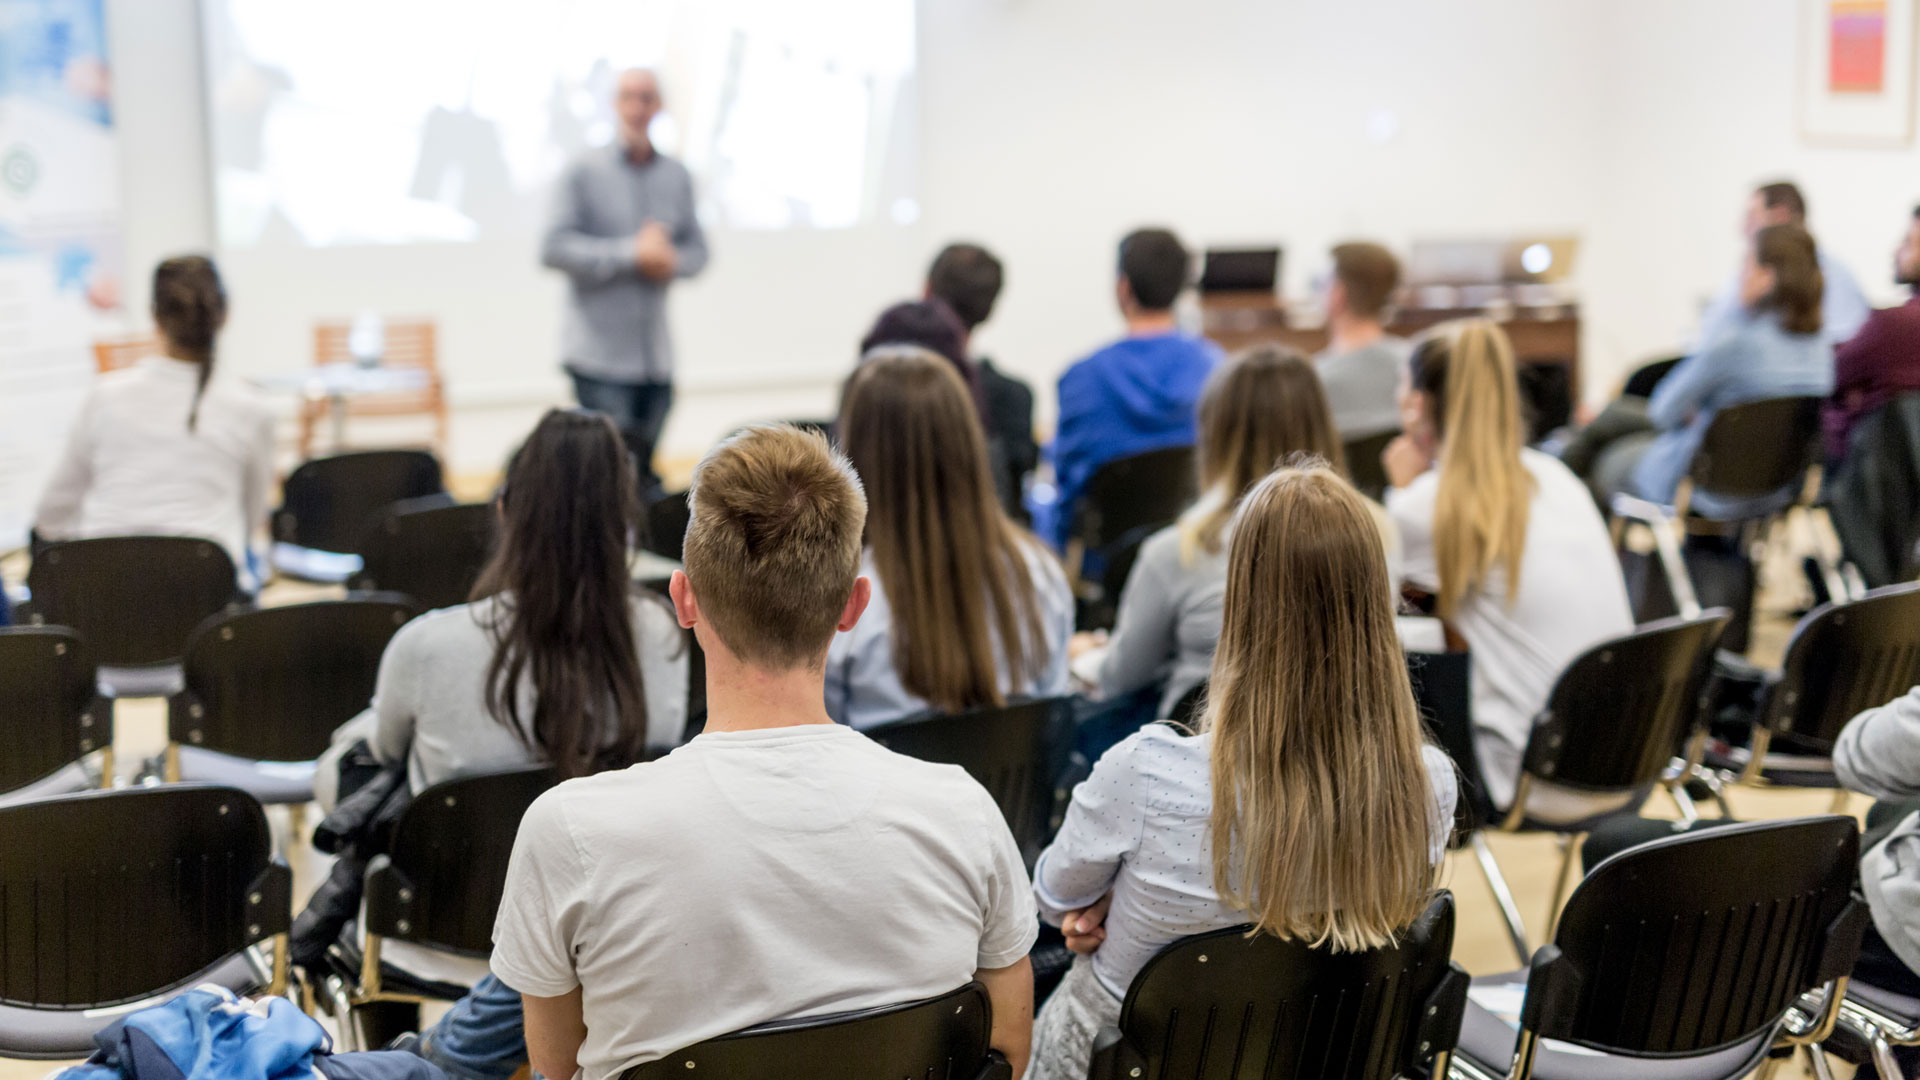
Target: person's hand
(1404,460)
(1085,642)
(1085,930)
(653,251)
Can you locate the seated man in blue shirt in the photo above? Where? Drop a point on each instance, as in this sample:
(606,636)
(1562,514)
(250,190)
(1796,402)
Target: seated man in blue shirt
(1137,394)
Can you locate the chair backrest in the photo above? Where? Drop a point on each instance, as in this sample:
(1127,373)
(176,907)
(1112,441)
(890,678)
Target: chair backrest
(115,896)
(112,354)
(1443,691)
(1149,489)
(1363,463)
(1700,941)
(1015,751)
(1209,1007)
(1186,711)
(329,503)
(406,343)
(136,599)
(1646,378)
(1844,658)
(666,531)
(440,882)
(50,712)
(272,684)
(429,550)
(1621,710)
(1757,448)
(943,1038)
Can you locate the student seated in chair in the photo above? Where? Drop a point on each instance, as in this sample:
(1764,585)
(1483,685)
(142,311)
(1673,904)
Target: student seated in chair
(1307,804)
(1505,538)
(1262,406)
(968,609)
(779,865)
(967,278)
(1882,360)
(1136,394)
(560,658)
(1773,348)
(1360,367)
(164,447)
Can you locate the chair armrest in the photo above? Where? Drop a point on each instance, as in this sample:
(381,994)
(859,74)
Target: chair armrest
(270,901)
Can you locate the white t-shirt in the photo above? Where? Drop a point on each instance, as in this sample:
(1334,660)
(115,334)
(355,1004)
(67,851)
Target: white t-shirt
(1571,596)
(757,876)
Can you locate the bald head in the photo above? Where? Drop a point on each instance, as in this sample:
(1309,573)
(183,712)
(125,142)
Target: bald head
(635,103)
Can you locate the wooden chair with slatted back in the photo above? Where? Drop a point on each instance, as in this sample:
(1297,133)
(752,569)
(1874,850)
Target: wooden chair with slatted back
(409,343)
(112,354)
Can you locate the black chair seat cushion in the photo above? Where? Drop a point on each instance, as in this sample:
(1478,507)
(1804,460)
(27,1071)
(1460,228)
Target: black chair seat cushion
(272,782)
(1885,1002)
(1488,1041)
(58,1034)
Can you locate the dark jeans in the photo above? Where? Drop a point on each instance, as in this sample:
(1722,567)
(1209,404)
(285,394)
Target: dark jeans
(483,1037)
(639,410)
(1606,451)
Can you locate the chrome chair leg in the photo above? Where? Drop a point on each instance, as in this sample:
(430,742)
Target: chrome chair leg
(1502,896)
(1570,844)
(1884,1062)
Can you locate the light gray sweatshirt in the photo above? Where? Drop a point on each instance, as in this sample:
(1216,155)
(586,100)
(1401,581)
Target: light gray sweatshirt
(1878,754)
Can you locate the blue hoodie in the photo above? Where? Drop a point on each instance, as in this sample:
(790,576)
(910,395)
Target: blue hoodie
(1136,395)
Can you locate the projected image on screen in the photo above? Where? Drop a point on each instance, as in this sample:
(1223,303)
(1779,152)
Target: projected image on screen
(420,121)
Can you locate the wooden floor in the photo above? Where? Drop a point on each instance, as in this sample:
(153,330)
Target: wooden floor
(1481,941)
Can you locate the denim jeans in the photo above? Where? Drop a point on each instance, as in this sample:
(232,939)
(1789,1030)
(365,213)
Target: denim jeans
(639,410)
(483,1037)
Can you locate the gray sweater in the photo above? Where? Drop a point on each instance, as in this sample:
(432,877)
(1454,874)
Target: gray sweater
(1169,620)
(1878,754)
(430,700)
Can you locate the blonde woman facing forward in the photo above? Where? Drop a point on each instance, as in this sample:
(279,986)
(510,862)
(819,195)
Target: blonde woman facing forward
(1505,538)
(1307,804)
(1259,408)
(968,609)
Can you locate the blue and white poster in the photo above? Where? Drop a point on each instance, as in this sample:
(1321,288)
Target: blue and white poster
(60,261)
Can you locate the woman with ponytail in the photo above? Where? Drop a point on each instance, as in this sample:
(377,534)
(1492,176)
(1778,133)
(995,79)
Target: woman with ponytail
(164,447)
(1506,539)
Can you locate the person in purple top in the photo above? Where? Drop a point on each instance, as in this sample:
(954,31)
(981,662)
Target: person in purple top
(1137,394)
(1882,360)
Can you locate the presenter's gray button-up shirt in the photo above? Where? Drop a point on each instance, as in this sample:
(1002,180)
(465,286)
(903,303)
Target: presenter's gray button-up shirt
(616,321)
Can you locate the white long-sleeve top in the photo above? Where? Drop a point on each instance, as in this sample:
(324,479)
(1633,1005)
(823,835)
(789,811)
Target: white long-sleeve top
(131,467)
(1140,826)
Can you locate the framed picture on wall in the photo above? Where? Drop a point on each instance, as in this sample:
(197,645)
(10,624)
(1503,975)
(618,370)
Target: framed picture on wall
(1857,71)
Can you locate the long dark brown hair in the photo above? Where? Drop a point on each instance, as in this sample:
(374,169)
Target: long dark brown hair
(190,307)
(567,511)
(954,568)
(1798,285)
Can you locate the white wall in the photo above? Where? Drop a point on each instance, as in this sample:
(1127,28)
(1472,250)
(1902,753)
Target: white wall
(1049,127)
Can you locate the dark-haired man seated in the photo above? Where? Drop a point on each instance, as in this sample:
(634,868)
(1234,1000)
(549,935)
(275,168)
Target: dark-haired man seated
(779,865)
(1137,394)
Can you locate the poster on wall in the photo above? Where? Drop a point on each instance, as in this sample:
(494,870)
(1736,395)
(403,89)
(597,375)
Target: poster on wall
(1857,71)
(60,272)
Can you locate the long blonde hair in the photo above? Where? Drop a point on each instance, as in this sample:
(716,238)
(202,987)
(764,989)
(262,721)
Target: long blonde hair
(1322,807)
(954,567)
(1480,512)
(1261,407)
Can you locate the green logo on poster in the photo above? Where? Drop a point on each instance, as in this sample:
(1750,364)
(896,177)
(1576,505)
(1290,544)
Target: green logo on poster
(19,170)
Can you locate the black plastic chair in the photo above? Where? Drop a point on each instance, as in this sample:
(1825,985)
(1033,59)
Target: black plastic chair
(1879,1020)
(1364,466)
(1186,711)
(328,504)
(271,685)
(1124,502)
(1211,1007)
(1016,752)
(1843,658)
(943,1038)
(1750,451)
(52,718)
(114,897)
(1682,959)
(438,887)
(666,525)
(1614,725)
(135,599)
(427,549)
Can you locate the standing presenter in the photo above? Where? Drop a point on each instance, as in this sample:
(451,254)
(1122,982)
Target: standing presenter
(622,229)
